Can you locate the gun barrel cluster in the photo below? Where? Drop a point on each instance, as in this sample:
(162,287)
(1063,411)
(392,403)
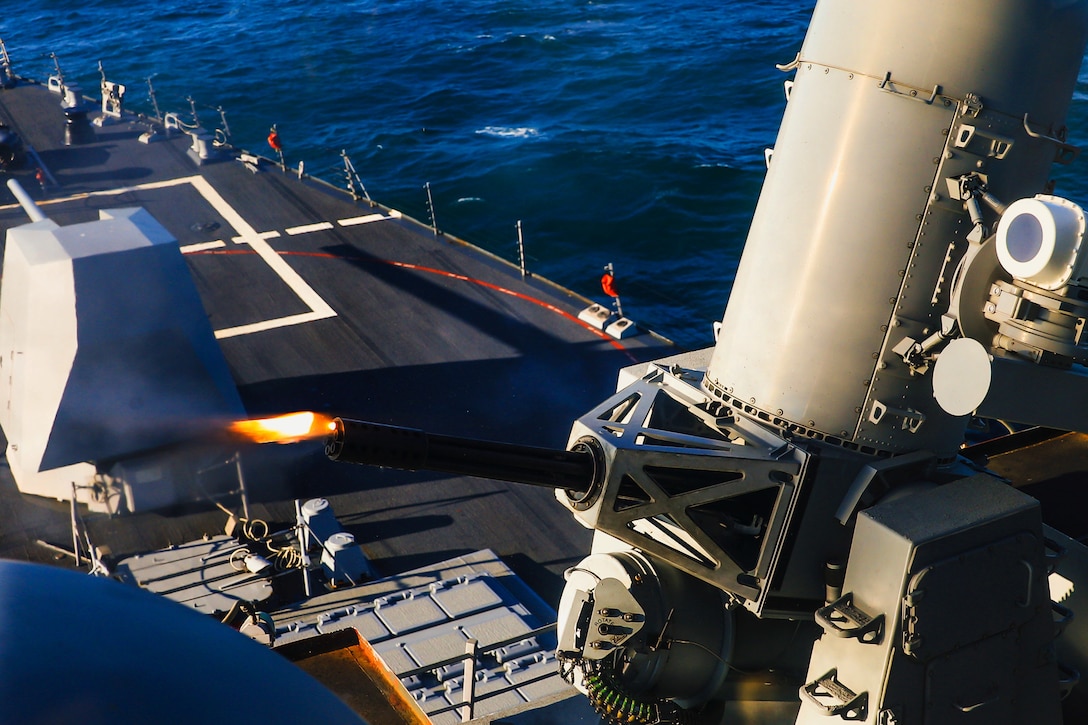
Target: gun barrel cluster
(375,444)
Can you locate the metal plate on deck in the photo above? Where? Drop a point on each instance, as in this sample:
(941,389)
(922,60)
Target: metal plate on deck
(198,574)
(983,586)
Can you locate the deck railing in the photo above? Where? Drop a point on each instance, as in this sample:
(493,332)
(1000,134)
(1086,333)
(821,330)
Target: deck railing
(473,652)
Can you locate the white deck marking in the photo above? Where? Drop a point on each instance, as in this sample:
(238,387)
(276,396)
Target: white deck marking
(361,220)
(319,308)
(262,235)
(190,248)
(270,324)
(307,228)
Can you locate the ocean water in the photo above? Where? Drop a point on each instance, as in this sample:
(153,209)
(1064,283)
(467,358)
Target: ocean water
(628,132)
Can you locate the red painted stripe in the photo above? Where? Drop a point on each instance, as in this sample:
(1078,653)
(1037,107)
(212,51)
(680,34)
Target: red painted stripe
(450,275)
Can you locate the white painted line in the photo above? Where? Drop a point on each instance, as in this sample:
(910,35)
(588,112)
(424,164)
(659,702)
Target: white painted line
(319,308)
(270,324)
(190,248)
(262,235)
(109,192)
(307,228)
(361,220)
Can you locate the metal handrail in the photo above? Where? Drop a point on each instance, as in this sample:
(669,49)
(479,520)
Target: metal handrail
(493,693)
(483,651)
(468,687)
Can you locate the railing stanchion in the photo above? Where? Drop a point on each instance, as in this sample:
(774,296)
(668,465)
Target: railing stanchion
(468,690)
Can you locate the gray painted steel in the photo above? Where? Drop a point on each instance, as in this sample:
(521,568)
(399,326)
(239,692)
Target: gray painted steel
(953,582)
(854,221)
(422,617)
(94,317)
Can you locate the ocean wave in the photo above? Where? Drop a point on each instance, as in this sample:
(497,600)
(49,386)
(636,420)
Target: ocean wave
(509,132)
(467,199)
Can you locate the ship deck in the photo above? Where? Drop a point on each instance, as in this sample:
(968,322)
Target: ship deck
(346,308)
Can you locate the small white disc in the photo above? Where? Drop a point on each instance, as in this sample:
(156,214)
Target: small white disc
(961,376)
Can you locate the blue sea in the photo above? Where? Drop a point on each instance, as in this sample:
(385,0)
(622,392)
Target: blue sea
(628,132)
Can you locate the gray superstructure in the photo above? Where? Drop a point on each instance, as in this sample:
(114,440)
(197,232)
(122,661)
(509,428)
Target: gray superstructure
(861,223)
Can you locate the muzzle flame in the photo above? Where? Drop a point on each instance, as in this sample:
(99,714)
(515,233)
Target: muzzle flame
(289,428)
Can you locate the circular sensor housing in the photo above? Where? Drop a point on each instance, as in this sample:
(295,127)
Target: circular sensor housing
(1039,241)
(961,377)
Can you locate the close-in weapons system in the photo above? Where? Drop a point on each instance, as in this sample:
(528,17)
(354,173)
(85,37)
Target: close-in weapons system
(784,528)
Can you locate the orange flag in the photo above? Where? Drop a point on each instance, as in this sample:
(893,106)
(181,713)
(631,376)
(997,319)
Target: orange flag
(608,284)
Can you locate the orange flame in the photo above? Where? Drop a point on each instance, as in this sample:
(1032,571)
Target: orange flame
(289,428)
